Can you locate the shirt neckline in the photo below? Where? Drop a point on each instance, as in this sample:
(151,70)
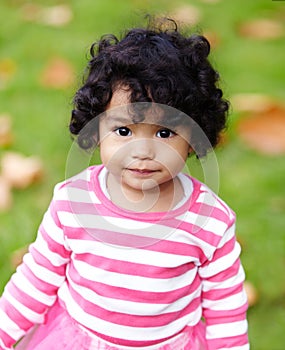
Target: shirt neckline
(102,194)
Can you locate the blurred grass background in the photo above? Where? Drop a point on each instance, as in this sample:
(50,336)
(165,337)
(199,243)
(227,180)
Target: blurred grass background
(250,182)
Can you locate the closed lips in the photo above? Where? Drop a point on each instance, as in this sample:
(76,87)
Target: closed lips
(143,171)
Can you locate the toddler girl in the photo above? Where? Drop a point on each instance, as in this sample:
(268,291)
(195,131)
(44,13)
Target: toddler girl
(134,253)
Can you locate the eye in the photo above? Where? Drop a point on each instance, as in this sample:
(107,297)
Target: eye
(123,131)
(165,133)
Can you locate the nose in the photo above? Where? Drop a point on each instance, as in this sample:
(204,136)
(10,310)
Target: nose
(142,149)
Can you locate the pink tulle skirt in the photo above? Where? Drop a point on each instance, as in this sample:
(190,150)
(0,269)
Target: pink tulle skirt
(61,332)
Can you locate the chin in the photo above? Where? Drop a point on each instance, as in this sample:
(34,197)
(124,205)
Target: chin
(145,185)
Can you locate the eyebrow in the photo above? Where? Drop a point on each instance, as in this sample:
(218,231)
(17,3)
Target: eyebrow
(113,118)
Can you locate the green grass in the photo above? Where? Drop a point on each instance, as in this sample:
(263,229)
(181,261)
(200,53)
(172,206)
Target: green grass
(251,183)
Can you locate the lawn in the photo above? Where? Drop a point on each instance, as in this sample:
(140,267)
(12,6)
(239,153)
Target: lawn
(251,181)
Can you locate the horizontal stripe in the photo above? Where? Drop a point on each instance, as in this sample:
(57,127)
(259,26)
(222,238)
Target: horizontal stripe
(12,329)
(130,226)
(229,272)
(232,329)
(28,313)
(44,286)
(227,236)
(207,223)
(123,293)
(136,320)
(133,308)
(23,284)
(133,282)
(47,250)
(182,244)
(130,333)
(135,269)
(229,343)
(226,316)
(41,272)
(34,304)
(227,283)
(217,266)
(77,195)
(175,230)
(231,302)
(140,256)
(207,196)
(54,231)
(221,293)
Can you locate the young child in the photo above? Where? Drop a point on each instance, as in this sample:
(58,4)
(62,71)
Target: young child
(134,253)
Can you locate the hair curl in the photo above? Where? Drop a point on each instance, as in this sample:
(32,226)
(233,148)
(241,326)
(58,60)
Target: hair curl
(158,64)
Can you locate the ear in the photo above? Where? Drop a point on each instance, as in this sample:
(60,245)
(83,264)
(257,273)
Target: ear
(190,151)
(96,138)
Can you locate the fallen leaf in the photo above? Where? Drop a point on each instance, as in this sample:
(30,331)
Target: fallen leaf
(251,292)
(20,171)
(56,16)
(223,139)
(6,137)
(252,102)
(31,12)
(58,74)
(17,256)
(262,29)
(212,37)
(264,131)
(187,14)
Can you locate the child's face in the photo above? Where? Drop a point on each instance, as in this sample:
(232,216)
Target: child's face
(141,155)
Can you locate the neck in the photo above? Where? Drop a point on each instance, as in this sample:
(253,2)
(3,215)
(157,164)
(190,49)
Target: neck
(157,199)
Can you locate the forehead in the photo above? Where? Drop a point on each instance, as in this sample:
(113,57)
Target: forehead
(120,97)
(121,110)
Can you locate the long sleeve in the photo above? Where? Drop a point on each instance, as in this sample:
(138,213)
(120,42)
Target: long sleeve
(224,299)
(33,287)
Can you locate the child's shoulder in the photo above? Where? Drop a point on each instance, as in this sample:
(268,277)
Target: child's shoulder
(209,203)
(79,180)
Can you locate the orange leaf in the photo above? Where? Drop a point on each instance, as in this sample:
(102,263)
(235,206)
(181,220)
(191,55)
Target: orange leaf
(58,74)
(262,29)
(19,171)
(264,131)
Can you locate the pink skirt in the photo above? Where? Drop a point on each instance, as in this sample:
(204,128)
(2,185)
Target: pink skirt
(60,331)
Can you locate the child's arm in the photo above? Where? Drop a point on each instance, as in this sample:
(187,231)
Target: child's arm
(223,297)
(33,288)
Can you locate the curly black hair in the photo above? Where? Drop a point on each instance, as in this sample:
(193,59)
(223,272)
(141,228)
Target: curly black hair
(158,64)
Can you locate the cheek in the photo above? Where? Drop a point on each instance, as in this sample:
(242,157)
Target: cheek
(106,152)
(111,154)
(175,155)
(175,162)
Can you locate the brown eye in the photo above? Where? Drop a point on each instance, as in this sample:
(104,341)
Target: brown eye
(164,133)
(123,131)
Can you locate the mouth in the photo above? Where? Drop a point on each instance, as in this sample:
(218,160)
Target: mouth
(143,172)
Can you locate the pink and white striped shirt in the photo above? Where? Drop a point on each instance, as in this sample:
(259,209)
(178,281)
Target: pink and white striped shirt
(133,279)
